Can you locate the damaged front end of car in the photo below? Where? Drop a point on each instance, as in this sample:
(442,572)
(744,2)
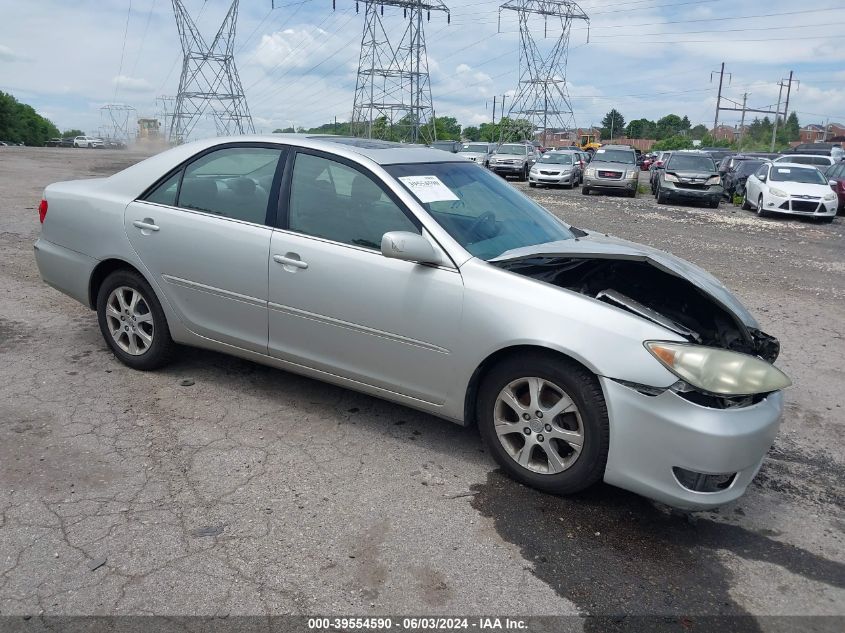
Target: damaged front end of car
(726,361)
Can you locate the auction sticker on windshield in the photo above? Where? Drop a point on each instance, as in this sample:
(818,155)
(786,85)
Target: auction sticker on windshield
(428,188)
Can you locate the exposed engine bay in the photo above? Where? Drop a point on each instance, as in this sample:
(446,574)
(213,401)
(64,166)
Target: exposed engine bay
(653,294)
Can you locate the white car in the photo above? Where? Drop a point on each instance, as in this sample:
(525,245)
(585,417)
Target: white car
(87,141)
(817,160)
(790,188)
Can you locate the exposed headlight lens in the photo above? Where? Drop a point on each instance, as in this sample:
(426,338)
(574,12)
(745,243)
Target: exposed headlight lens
(630,173)
(830,196)
(780,193)
(713,180)
(718,371)
(591,173)
(670,177)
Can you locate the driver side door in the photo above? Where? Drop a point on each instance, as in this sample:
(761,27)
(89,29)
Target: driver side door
(338,305)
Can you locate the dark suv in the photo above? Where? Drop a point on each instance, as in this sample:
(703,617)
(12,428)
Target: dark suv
(690,176)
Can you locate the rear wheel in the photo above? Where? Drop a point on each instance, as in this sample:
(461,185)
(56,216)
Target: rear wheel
(132,321)
(545,421)
(585,191)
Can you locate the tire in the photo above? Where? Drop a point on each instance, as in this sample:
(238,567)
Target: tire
(585,191)
(632,194)
(714,204)
(745,206)
(532,184)
(761,212)
(661,199)
(573,469)
(828,220)
(116,291)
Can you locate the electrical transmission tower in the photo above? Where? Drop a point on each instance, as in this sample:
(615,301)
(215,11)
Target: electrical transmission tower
(209,79)
(541,100)
(393,93)
(117,121)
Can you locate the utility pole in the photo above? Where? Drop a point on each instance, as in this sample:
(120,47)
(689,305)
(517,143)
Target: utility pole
(494,109)
(788,90)
(777,115)
(719,96)
(742,120)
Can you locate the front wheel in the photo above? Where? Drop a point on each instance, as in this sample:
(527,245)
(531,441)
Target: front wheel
(760,210)
(132,321)
(585,191)
(545,421)
(661,198)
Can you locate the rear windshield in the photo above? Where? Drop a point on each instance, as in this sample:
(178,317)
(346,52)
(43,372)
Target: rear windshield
(623,156)
(512,149)
(807,160)
(478,148)
(747,167)
(686,162)
(809,175)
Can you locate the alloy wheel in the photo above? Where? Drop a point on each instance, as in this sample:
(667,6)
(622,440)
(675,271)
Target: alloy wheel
(538,425)
(130,320)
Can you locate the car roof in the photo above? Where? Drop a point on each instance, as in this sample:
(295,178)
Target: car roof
(801,165)
(785,156)
(628,147)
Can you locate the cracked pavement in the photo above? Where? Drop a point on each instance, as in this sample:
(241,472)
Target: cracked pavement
(249,490)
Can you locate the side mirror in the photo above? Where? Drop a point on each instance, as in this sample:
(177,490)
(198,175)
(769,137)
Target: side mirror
(409,247)
(831,182)
(762,178)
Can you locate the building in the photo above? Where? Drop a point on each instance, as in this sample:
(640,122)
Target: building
(555,137)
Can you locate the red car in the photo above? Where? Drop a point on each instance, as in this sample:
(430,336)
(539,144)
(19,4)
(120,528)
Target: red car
(836,173)
(648,159)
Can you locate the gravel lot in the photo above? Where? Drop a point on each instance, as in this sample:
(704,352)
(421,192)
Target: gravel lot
(218,486)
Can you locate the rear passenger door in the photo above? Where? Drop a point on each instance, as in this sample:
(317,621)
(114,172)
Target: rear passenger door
(202,235)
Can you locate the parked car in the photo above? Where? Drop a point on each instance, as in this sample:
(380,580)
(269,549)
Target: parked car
(818,160)
(113,143)
(478,152)
(692,177)
(648,159)
(447,146)
(555,168)
(67,141)
(790,188)
(613,168)
(835,175)
(833,150)
(87,141)
(734,180)
(513,159)
(53,142)
(411,275)
(717,153)
(655,168)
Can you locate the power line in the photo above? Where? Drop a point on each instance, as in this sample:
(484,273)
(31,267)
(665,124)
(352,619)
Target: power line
(122,51)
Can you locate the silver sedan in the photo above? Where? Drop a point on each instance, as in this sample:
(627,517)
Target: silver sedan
(419,277)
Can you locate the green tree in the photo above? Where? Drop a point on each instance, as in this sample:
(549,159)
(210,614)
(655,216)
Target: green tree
(447,128)
(641,128)
(699,132)
(613,124)
(20,123)
(672,143)
(471,133)
(284,130)
(670,125)
(792,129)
(72,133)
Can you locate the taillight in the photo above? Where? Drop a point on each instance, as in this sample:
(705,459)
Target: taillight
(42,210)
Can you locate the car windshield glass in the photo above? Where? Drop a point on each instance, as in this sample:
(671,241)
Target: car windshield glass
(512,149)
(681,162)
(478,148)
(482,212)
(556,159)
(808,175)
(746,167)
(614,156)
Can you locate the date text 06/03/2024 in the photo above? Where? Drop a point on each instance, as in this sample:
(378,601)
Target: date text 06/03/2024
(425,623)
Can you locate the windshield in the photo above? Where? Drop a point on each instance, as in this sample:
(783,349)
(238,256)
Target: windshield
(806,160)
(477,148)
(478,209)
(556,159)
(809,175)
(512,149)
(686,162)
(615,156)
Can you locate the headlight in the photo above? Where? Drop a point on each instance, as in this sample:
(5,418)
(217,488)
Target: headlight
(591,173)
(780,193)
(631,173)
(713,180)
(718,371)
(534,170)
(830,196)
(670,177)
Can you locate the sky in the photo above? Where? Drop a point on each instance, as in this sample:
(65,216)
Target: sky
(298,62)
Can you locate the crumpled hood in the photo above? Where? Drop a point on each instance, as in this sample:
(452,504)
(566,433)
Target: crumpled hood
(598,245)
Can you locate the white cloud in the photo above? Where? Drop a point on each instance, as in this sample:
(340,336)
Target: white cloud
(131,84)
(286,49)
(8,55)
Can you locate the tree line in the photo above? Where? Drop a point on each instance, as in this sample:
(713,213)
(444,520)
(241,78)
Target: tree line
(20,123)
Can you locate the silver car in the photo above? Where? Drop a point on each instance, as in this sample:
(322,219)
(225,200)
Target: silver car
(556,168)
(410,274)
(613,168)
(513,159)
(478,152)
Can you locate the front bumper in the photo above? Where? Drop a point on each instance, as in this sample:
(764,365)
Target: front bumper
(615,184)
(651,435)
(815,208)
(506,168)
(567,178)
(673,192)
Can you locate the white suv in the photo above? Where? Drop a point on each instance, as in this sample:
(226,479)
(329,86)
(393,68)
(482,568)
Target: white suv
(87,141)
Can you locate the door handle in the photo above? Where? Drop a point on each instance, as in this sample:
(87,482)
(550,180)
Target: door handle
(289,261)
(146,225)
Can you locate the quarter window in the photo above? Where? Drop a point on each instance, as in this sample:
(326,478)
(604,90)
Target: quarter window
(336,202)
(166,192)
(234,183)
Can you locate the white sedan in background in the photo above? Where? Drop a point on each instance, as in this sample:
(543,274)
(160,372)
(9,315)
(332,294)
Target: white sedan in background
(790,188)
